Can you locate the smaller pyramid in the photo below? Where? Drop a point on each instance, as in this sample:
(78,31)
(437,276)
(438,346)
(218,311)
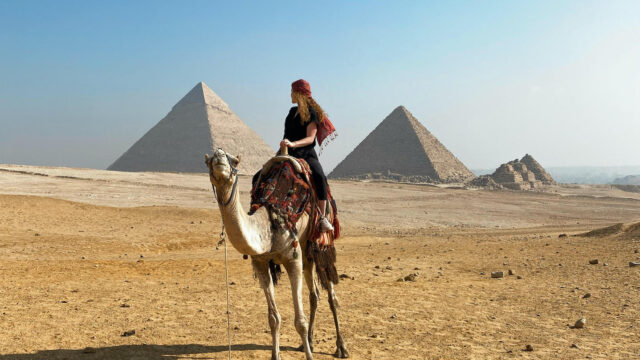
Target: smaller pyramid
(523,174)
(401,148)
(199,123)
(535,167)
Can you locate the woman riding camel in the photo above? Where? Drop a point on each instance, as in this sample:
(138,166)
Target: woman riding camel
(303,125)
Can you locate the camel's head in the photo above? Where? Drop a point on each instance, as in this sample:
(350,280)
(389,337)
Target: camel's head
(222,167)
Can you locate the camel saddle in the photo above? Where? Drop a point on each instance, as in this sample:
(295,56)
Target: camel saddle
(285,187)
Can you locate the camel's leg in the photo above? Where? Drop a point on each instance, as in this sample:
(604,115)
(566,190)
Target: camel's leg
(294,270)
(262,272)
(309,271)
(341,351)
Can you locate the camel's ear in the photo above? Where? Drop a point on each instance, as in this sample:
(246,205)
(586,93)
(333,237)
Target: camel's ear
(206,159)
(234,160)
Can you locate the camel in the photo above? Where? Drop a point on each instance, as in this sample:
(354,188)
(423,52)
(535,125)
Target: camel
(253,236)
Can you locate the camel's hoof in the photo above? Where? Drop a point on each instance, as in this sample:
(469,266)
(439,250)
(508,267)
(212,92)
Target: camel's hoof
(341,353)
(301,348)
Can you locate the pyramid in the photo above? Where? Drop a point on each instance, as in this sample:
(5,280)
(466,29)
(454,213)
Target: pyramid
(535,167)
(401,148)
(196,125)
(523,174)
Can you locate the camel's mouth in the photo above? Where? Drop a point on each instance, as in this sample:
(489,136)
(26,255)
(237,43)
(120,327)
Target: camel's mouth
(219,167)
(219,164)
(218,161)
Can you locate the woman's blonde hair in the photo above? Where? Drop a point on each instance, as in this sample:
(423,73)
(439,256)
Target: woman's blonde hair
(304,102)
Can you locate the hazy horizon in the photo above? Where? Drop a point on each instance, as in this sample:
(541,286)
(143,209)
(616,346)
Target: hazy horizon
(81,82)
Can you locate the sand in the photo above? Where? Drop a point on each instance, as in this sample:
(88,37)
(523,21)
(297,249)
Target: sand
(86,255)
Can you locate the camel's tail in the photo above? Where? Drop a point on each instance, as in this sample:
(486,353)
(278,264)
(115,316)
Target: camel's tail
(275,270)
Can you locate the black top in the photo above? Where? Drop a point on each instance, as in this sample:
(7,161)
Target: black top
(294,130)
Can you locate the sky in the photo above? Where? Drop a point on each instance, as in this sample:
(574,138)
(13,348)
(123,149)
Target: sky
(81,81)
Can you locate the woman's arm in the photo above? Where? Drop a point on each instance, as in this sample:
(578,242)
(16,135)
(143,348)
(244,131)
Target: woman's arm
(312,129)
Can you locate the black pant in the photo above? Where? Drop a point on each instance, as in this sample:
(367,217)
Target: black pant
(319,179)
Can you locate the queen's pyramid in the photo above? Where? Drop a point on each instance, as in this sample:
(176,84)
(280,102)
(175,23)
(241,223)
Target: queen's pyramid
(402,146)
(196,125)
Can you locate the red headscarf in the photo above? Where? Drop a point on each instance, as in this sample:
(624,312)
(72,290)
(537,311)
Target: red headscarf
(302,86)
(326,130)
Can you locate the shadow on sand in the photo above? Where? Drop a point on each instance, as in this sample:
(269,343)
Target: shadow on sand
(146,352)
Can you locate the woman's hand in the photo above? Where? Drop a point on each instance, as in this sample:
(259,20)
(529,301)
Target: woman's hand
(287,143)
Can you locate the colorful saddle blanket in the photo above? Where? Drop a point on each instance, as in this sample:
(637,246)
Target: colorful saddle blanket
(286,189)
(284,192)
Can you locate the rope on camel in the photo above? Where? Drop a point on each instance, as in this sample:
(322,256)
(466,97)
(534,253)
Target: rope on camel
(226,273)
(226,266)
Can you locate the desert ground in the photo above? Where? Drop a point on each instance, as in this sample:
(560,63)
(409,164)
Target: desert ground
(87,255)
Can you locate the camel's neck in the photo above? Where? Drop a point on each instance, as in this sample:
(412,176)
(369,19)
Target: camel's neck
(247,234)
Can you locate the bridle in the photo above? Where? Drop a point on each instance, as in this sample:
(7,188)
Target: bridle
(234,172)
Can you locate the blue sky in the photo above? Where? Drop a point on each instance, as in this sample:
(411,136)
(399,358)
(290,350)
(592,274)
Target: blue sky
(81,81)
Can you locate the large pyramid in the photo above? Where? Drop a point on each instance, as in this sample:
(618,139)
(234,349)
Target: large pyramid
(196,125)
(402,148)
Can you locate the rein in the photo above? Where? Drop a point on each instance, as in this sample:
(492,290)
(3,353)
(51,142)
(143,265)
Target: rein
(233,193)
(234,171)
